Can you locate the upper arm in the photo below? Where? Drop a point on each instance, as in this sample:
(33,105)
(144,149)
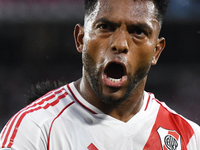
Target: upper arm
(195,140)
(23,134)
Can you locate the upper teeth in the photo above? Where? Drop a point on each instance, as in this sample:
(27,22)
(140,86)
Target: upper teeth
(114,80)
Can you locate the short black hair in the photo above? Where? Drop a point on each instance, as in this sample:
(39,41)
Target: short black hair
(42,88)
(161,6)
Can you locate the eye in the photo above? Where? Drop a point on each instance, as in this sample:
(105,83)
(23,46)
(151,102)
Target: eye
(139,33)
(105,27)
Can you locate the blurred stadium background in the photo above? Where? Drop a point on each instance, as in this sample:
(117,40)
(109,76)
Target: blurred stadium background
(36,44)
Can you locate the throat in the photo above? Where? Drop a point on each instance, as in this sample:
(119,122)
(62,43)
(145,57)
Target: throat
(126,110)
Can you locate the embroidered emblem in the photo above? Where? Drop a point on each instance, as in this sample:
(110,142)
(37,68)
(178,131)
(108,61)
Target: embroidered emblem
(92,147)
(170,139)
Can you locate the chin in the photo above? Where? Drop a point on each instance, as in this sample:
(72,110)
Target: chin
(113,99)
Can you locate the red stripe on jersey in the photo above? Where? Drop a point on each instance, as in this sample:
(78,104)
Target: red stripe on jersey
(4,130)
(54,121)
(148,102)
(26,111)
(169,121)
(79,101)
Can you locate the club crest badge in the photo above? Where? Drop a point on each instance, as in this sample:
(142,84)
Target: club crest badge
(170,139)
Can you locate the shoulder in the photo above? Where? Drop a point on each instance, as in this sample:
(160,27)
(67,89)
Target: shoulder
(170,120)
(171,127)
(172,116)
(33,121)
(196,129)
(46,107)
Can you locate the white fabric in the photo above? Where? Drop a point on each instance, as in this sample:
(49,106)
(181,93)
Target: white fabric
(63,120)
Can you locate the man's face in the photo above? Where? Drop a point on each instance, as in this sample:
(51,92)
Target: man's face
(120,43)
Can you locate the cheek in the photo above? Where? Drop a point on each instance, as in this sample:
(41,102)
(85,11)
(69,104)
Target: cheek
(146,52)
(96,48)
(141,57)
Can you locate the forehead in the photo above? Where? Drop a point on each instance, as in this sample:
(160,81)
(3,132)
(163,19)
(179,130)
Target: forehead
(124,10)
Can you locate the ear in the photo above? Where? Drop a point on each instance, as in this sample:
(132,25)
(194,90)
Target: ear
(78,36)
(158,50)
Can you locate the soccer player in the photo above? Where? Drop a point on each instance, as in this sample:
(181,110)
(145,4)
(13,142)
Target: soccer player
(108,108)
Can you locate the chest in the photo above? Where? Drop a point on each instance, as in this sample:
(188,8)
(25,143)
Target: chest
(88,134)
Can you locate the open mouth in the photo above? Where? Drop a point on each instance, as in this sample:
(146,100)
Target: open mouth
(115,74)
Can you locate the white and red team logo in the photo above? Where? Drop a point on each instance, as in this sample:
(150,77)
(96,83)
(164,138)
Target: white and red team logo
(170,139)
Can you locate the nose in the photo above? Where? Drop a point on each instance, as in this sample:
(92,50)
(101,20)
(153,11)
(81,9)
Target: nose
(120,42)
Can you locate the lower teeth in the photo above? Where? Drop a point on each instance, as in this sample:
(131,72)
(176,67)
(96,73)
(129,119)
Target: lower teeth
(114,80)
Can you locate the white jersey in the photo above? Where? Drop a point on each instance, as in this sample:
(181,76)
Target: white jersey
(63,120)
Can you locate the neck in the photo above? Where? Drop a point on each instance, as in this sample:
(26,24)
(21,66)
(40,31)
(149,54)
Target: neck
(123,111)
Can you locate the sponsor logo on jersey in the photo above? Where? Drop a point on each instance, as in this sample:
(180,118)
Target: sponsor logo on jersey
(170,139)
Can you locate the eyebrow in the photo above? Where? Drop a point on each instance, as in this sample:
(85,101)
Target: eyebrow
(139,25)
(104,20)
(144,26)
